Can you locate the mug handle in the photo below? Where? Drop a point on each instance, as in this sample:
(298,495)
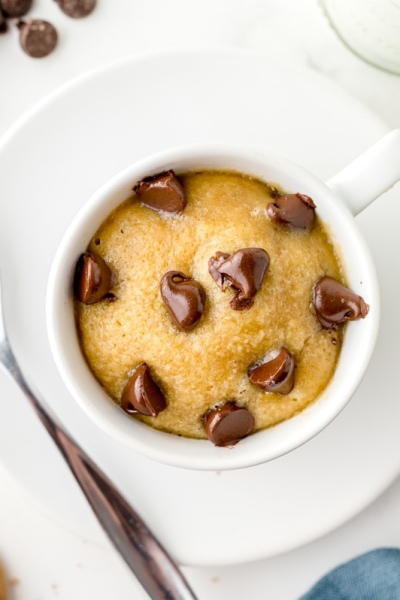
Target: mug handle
(369,175)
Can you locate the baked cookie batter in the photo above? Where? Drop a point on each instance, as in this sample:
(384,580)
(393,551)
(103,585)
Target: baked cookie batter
(208,366)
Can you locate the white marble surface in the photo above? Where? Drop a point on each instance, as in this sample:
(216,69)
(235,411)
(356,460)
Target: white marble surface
(43,561)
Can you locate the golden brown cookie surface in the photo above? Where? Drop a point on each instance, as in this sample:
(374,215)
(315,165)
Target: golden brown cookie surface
(207,366)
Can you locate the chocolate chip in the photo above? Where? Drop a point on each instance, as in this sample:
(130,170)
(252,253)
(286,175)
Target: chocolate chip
(37,38)
(275,375)
(142,395)
(228,424)
(213,265)
(184,299)
(243,270)
(3,23)
(334,303)
(93,278)
(162,192)
(110,297)
(297,211)
(15,8)
(77,8)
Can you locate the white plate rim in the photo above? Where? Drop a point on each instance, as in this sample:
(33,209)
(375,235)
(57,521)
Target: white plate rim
(76,82)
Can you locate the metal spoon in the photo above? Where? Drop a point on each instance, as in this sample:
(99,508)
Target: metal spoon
(145,556)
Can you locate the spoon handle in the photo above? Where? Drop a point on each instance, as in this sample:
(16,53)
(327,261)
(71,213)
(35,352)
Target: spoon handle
(147,559)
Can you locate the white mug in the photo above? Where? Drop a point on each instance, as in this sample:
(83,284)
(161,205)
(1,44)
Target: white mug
(338,201)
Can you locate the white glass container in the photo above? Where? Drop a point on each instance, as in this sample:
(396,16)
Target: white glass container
(371,28)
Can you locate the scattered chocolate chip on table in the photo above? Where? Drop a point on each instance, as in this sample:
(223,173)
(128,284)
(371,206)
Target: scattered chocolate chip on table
(37,37)
(3,23)
(15,8)
(77,9)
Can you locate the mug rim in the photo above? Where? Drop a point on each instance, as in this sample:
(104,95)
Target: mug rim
(168,448)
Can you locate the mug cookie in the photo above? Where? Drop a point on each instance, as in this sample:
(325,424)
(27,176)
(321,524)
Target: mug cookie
(210,304)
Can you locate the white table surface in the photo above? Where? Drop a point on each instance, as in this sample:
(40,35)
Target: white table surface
(44,561)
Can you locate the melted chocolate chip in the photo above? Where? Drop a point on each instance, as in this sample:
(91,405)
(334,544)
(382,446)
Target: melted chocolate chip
(213,265)
(240,303)
(334,303)
(142,395)
(15,8)
(228,424)
(162,192)
(77,8)
(275,375)
(184,299)
(37,37)
(93,278)
(297,211)
(243,270)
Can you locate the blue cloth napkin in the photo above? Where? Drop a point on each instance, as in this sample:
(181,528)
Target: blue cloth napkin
(371,576)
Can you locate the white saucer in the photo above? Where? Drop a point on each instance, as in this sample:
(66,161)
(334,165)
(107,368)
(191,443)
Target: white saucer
(51,161)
